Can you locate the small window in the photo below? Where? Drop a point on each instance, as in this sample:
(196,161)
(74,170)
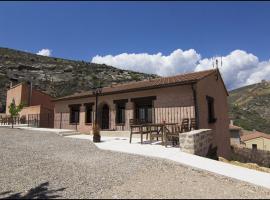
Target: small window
(74,114)
(88,113)
(120,113)
(144,114)
(254,146)
(211,110)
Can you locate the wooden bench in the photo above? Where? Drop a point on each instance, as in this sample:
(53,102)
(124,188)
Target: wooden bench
(140,129)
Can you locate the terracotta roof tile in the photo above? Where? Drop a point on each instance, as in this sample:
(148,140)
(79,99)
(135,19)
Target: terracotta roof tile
(146,84)
(253,135)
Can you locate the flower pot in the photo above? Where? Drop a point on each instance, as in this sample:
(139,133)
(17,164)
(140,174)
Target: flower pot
(96,138)
(96,134)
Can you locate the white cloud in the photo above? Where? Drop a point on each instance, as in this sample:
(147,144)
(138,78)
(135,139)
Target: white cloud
(238,68)
(178,61)
(45,52)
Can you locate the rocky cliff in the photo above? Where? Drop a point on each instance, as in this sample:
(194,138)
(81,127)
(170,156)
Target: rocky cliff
(250,106)
(58,77)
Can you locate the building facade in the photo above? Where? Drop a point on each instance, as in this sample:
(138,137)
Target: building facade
(38,106)
(199,95)
(256,140)
(235,134)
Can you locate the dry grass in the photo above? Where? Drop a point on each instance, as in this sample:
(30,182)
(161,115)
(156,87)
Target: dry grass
(246,165)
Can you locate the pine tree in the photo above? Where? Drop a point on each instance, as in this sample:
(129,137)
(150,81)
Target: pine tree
(14,110)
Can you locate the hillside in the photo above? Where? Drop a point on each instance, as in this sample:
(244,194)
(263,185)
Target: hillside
(58,77)
(250,106)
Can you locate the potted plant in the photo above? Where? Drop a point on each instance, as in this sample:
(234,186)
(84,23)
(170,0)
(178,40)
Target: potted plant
(96,133)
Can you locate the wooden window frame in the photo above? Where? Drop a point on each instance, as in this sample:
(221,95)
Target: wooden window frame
(143,103)
(90,107)
(121,103)
(254,147)
(211,109)
(78,107)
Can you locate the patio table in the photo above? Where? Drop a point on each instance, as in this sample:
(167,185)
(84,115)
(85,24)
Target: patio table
(159,129)
(149,128)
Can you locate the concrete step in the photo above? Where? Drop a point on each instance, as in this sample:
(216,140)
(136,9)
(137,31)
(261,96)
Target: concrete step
(67,133)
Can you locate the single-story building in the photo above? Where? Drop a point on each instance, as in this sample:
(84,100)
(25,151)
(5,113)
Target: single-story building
(38,106)
(200,95)
(256,140)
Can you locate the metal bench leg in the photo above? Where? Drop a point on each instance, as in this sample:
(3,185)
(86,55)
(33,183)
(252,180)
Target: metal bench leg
(141,138)
(130,138)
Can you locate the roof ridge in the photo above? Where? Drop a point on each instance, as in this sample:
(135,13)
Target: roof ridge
(161,78)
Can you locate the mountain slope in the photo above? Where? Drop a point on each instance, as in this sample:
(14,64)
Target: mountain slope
(250,106)
(58,77)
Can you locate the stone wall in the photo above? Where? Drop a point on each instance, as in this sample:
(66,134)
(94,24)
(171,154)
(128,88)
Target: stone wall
(243,154)
(196,142)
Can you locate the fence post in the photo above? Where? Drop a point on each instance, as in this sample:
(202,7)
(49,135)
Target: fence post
(76,120)
(48,120)
(61,120)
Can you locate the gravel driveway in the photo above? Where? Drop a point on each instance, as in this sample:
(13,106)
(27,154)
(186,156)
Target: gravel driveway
(45,165)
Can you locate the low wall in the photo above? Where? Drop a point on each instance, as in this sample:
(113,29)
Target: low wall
(243,154)
(3,115)
(196,142)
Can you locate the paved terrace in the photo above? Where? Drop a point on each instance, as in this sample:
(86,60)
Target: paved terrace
(36,164)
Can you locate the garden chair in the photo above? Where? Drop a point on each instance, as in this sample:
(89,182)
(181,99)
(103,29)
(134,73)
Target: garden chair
(140,130)
(173,135)
(192,124)
(155,133)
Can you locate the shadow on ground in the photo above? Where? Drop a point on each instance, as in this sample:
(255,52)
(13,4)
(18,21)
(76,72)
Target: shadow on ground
(39,192)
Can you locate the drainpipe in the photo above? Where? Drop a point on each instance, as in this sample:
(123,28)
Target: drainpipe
(196,105)
(30,93)
(96,113)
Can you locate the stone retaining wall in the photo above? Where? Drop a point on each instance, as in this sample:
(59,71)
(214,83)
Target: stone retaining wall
(196,142)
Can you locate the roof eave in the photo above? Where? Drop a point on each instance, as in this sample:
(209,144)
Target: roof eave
(127,90)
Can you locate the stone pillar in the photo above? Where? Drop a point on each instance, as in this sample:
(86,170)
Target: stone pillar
(196,142)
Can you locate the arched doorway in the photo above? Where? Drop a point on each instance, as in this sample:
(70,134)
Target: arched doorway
(105,116)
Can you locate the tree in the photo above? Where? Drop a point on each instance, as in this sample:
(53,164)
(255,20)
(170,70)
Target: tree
(14,110)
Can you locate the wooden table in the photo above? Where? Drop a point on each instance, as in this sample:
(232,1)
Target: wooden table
(159,128)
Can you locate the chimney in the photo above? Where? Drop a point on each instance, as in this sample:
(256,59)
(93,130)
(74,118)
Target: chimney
(231,122)
(254,130)
(10,84)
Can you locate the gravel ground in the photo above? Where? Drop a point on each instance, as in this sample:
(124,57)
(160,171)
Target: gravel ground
(45,165)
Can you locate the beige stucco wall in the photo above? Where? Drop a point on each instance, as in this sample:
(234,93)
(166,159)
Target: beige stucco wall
(262,143)
(172,103)
(214,88)
(16,94)
(20,93)
(30,110)
(40,98)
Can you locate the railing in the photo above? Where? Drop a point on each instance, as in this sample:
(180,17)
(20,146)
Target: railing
(12,120)
(44,120)
(62,121)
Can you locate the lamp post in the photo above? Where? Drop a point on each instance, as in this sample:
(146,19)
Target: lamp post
(96,134)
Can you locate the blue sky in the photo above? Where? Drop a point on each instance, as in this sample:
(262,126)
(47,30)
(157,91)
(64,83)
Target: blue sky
(82,30)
